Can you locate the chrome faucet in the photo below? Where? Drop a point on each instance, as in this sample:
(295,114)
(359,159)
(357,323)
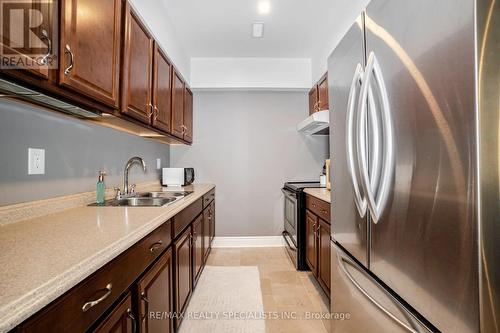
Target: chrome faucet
(127,192)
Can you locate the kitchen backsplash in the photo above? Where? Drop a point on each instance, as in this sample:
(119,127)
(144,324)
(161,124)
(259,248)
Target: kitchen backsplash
(74,153)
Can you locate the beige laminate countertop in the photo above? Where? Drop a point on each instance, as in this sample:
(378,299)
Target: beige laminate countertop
(320,193)
(42,258)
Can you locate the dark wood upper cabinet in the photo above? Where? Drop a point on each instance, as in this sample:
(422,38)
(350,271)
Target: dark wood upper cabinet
(162,91)
(90,47)
(198,251)
(101,57)
(313,99)
(311,241)
(324,251)
(120,320)
(318,95)
(183,271)
(155,296)
(40,58)
(323,93)
(137,69)
(178,88)
(188,115)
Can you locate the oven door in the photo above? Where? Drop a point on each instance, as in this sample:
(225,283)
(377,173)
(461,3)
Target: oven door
(290,223)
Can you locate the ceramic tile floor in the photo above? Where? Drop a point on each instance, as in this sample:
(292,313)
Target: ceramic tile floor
(285,291)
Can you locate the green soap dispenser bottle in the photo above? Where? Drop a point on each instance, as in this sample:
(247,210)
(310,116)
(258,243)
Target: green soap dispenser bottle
(101,188)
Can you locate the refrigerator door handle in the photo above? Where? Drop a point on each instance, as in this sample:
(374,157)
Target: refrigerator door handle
(376,191)
(359,200)
(344,260)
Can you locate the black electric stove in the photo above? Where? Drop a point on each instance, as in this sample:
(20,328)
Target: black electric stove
(294,231)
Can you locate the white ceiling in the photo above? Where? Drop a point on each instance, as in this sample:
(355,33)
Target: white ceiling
(293,29)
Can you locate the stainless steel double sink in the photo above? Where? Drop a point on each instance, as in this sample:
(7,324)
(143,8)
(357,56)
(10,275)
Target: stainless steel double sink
(147,199)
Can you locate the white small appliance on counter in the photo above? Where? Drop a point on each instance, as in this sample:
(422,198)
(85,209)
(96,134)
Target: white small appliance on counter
(177,176)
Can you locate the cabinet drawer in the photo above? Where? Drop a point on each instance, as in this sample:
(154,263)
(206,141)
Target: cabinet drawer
(208,198)
(80,307)
(186,216)
(318,207)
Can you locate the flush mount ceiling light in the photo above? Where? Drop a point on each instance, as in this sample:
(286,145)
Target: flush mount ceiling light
(258,29)
(264,7)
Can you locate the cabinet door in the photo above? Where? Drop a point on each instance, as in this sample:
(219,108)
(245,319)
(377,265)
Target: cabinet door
(311,241)
(155,296)
(313,99)
(137,69)
(188,115)
(162,91)
(197,248)
(323,93)
(183,269)
(17,50)
(324,252)
(90,48)
(206,231)
(212,222)
(120,320)
(177,105)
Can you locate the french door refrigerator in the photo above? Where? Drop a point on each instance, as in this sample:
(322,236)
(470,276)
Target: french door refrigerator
(414,139)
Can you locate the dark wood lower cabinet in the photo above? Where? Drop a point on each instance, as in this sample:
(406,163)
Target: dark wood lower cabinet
(156,274)
(154,293)
(212,222)
(318,244)
(120,320)
(324,252)
(311,241)
(198,252)
(183,271)
(206,233)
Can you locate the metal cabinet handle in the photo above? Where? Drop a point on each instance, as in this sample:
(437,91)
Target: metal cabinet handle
(149,111)
(156,246)
(156,112)
(343,260)
(134,321)
(90,304)
(71,60)
(44,60)
(146,303)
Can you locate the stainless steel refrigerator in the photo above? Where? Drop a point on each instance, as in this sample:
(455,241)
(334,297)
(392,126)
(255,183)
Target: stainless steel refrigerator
(414,139)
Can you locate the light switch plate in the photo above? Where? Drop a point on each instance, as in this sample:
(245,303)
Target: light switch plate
(36,161)
(158,163)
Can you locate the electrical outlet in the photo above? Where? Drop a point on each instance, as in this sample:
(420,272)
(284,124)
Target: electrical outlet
(158,163)
(36,161)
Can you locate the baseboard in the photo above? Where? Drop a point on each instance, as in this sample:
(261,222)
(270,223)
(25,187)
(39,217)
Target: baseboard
(259,241)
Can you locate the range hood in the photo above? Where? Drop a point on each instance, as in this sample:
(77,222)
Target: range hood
(316,124)
(12,90)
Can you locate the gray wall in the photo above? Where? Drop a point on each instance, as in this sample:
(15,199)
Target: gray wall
(74,153)
(248,145)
